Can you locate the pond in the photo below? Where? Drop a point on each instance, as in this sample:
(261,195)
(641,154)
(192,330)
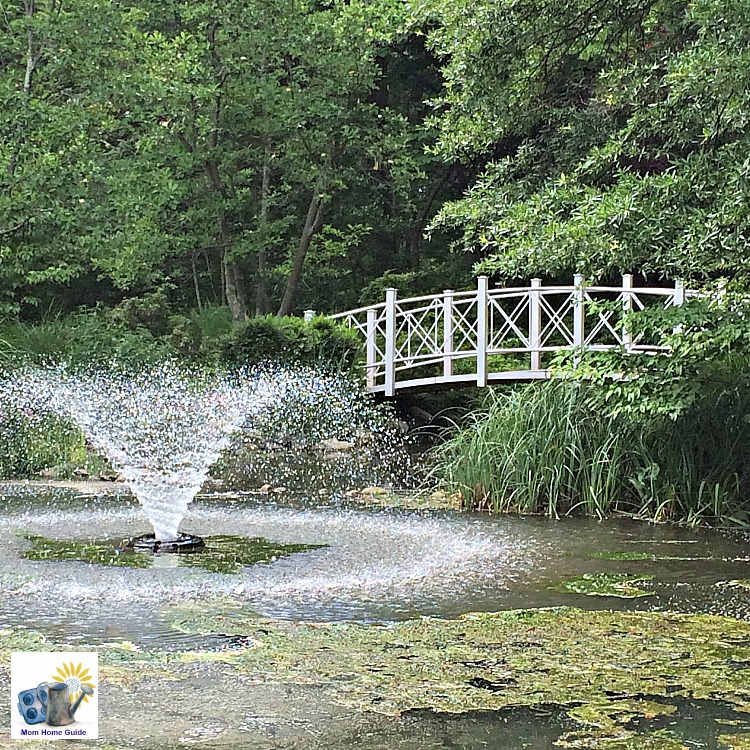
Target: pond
(367,569)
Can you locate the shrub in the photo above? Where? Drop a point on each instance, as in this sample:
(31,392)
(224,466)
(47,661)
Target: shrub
(320,342)
(31,443)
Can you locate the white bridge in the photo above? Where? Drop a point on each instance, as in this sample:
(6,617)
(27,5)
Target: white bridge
(488,335)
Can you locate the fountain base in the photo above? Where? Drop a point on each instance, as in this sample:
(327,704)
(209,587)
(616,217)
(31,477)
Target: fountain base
(148,543)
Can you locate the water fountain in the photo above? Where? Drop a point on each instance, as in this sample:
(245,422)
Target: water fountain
(162,429)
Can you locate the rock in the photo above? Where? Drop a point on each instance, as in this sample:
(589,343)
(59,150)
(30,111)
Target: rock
(332,445)
(419,415)
(80,471)
(264,489)
(279,490)
(363,436)
(109,476)
(374,492)
(54,472)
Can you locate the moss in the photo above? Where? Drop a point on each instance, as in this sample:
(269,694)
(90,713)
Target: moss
(223,553)
(621,585)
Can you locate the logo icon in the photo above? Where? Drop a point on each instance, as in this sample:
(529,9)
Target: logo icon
(63,705)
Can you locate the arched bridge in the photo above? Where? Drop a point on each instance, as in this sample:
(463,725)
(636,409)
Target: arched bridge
(489,335)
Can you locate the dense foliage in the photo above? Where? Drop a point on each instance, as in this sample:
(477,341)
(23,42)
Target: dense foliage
(171,175)
(212,152)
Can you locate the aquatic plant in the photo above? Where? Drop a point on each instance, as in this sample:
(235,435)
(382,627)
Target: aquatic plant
(620,585)
(550,448)
(223,553)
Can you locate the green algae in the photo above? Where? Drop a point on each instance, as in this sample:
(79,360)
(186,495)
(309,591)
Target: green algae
(620,585)
(610,714)
(229,554)
(491,661)
(623,555)
(603,668)
(735,741)
(222,554)
(95,552)
(623,740)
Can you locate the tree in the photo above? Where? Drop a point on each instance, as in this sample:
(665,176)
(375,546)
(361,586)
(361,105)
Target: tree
(614,135)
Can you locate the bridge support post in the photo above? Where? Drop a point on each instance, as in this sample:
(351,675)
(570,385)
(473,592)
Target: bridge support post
(678,299)
(535,324)
(447,333)
(390,342)
(482,300)
(371,350)
(627,306)
(579,314)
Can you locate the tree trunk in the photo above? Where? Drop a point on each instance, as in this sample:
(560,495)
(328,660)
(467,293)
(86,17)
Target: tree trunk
(417,231)
(313,223)
(262,304)
(33,55)
(234,286)
(196,283)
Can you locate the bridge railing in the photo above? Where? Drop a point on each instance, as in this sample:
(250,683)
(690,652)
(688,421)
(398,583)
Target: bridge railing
(485,334)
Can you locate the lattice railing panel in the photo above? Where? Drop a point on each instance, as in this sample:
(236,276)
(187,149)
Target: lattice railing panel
(508,320)
(419,332)
(557,318)
(464,325)
(422,337)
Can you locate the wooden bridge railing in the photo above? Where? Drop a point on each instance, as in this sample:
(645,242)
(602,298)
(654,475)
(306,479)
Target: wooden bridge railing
(488,335)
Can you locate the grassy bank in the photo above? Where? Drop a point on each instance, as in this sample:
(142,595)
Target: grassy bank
(551,449)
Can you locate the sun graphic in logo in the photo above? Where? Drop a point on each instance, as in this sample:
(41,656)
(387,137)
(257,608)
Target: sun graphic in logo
(75,677)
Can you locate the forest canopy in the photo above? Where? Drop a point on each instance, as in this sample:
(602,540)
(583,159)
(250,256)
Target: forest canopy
(272,157)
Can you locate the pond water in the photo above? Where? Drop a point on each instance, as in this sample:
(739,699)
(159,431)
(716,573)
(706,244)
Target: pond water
(371,566)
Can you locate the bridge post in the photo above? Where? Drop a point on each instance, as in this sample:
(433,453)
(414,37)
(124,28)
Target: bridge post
(579,311)
(579,314)
(371,350)
(627,306)
(679,293)
(482,284)
(390,342)
(447,333)
(535,324)
(678,299)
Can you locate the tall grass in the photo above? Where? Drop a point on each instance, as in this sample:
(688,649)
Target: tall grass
(546,449)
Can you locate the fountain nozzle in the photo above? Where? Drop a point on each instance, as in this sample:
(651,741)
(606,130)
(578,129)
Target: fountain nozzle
(149,544)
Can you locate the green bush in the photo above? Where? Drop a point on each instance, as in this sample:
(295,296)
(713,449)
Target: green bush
(31,443)
(320,342)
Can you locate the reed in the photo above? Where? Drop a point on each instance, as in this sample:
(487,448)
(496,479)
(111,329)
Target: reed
(549,449)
